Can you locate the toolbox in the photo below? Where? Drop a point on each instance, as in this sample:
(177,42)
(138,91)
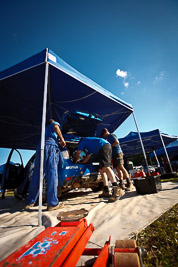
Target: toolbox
(147,185)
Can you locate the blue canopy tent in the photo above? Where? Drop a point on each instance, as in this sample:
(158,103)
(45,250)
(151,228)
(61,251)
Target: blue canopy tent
(22,93)
(172,150)
(151,141)
(42,87)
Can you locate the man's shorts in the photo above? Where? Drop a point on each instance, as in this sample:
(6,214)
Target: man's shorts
(118,159)
(105,155)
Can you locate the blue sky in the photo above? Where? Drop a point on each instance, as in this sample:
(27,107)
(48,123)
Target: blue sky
(128,47)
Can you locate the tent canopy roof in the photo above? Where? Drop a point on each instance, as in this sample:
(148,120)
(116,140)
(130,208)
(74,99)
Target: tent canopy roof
(172,150)
(151,141)
(21,102)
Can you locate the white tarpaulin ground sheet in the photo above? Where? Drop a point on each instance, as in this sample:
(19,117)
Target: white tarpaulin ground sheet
(120,219)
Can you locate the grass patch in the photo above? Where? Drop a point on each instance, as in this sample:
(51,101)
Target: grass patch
(174,179)
(160,240)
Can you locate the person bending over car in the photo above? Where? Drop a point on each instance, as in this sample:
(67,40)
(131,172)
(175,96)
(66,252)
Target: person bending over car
(102,149)
(118,160)
(52,157)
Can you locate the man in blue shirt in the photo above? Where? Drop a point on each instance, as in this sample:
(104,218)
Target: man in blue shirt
(102,149)
(117,158)
(52,157)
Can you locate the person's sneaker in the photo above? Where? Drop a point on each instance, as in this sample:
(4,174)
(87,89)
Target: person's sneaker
(129,186)
(59,206)
(105,194)
(122,186)
(116,194)
(28,206)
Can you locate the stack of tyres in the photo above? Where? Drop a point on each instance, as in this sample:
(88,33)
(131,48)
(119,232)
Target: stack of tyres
(147,185)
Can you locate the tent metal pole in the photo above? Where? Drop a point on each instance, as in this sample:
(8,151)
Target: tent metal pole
(43,141)
(156,158)
(166,153)
(141,143)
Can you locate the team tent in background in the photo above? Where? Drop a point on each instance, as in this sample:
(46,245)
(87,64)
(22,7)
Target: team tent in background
(172,150)
(43,87)
(152,141)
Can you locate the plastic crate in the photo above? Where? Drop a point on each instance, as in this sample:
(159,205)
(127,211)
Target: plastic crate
(147,185)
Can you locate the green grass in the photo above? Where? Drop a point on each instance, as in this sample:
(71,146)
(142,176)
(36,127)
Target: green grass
(160,239)
(175,179)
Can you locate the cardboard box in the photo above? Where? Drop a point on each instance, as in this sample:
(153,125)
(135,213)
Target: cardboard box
(147,185)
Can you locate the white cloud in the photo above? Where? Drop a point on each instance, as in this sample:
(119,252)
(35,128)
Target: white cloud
(121,73)
(139,82)
(126,84)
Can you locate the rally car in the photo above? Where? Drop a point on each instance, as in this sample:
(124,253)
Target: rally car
(78,175)
(74,126)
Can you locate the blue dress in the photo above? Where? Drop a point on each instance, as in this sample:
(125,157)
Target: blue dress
(52,157)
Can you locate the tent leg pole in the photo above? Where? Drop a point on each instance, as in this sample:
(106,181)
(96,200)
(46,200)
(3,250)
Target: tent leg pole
(141,143)
(156,158)
(166,153)
(43,143)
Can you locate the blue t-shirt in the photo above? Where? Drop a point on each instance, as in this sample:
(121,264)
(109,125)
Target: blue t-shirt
(92,144)
(50,133)
(115,149)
